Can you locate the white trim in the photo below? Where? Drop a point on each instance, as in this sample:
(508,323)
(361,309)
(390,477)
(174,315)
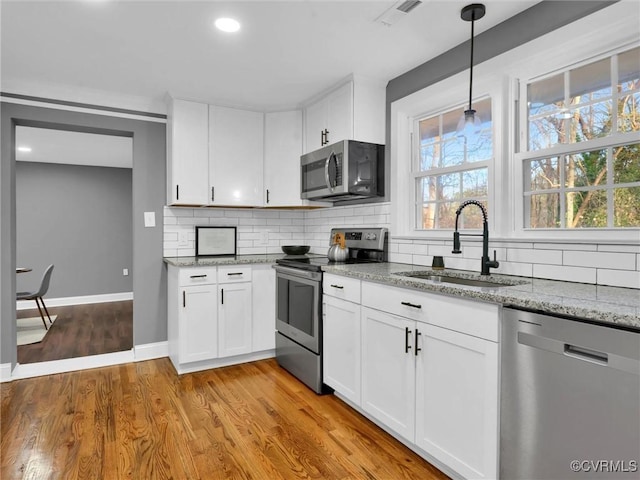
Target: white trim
(5,372)
(29,370)
(138,353)
(81,300)
(74,108)
(150,351)
(223,362)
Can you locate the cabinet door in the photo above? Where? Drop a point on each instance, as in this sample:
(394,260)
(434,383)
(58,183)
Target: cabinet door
(341,347)
(315,121)
(283,147)
(388,370)
(457,401)
(234,319)
(340,114)
(264,308)
(236,153)
(188,150)
(198,326)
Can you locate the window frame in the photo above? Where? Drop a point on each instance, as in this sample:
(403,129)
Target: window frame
(522,154)
(417,174)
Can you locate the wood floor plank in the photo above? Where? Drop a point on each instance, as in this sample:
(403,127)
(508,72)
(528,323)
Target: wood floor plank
(142,421)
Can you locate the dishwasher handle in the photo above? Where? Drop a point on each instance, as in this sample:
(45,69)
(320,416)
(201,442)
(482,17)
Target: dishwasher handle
(582,353)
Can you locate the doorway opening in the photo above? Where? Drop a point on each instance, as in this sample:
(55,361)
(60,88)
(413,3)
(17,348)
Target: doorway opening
(74,211)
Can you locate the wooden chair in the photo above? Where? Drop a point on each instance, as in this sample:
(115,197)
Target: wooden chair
(38,294)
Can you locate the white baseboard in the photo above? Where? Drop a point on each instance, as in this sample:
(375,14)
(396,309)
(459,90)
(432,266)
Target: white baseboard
(5,372)
(223,362)
(81,300)
(29,370)
(149,351)
(138,353)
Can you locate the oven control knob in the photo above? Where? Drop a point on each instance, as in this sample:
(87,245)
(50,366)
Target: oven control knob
(370,236)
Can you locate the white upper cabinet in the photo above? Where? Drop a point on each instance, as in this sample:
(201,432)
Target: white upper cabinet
(236,142)
(187,152)
(282,150)
(355,110)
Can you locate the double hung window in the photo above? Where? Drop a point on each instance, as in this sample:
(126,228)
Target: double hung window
(450,168)
(581,158)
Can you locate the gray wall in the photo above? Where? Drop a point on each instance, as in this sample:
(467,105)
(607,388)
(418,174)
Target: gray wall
(78,218)
(149,179)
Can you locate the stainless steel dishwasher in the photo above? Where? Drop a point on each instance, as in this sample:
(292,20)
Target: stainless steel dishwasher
(570,399)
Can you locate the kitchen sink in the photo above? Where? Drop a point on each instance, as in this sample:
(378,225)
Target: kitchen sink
(472,282)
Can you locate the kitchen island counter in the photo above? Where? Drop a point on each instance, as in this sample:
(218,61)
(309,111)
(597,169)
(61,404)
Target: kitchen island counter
(598,303)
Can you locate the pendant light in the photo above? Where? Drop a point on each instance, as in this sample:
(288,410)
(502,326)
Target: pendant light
(470,121)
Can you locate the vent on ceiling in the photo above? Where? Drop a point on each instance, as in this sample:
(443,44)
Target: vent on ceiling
(397,11)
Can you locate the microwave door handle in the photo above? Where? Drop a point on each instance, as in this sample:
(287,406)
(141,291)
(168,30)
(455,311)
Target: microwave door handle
(327,179)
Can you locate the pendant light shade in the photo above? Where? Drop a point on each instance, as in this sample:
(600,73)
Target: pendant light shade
(470,122)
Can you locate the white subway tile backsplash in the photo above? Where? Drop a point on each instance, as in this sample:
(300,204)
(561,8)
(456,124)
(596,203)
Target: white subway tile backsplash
(565,273)
(526,255)
(565,246)
(605,264)
(614,261)
(401,258)
(619,278)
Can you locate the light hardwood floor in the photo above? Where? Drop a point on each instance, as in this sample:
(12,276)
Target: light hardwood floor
(141,421)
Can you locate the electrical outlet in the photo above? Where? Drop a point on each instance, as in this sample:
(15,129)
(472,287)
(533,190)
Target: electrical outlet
(264,238)
(125,271)
(183,239)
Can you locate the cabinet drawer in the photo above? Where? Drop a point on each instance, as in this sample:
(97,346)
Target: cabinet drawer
(234,274)
(196,276)
(338,286)
(479,319)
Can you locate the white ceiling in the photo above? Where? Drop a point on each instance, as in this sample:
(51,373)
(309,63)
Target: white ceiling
(73,148)
(285,53)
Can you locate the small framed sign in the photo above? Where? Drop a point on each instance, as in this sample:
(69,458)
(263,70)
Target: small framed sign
(215,241)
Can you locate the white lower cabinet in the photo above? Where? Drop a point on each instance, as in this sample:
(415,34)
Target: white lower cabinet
(428,370)
(214,316)
(341,347)
(457,401)
(234,319)
(388,370)
(198,324)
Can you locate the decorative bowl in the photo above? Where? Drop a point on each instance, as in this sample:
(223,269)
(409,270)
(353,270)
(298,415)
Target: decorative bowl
(295,249)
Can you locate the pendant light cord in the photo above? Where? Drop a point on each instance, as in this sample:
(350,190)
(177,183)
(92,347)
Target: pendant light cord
(473,18)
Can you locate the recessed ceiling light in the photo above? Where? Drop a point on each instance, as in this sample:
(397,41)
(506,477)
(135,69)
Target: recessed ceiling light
(227,25)
(24,149)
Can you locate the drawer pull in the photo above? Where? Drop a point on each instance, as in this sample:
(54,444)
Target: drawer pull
(408,304)
(407,333)
(338,286)
(234,273)
(198,276)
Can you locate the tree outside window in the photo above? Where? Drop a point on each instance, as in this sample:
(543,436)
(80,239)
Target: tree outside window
(450,169)
(582,169)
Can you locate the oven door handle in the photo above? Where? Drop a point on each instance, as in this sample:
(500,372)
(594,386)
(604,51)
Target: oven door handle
(298,274)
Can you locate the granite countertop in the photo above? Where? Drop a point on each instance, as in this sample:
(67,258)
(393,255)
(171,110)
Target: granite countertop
(214,261)
(603,304)
(227,260)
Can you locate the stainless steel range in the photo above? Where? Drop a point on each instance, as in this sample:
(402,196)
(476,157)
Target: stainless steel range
(299,302)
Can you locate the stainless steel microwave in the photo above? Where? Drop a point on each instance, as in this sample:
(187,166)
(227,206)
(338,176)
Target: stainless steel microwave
(342,171)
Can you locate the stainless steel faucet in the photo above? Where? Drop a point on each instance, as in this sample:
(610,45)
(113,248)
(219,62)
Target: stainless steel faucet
(486,263)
